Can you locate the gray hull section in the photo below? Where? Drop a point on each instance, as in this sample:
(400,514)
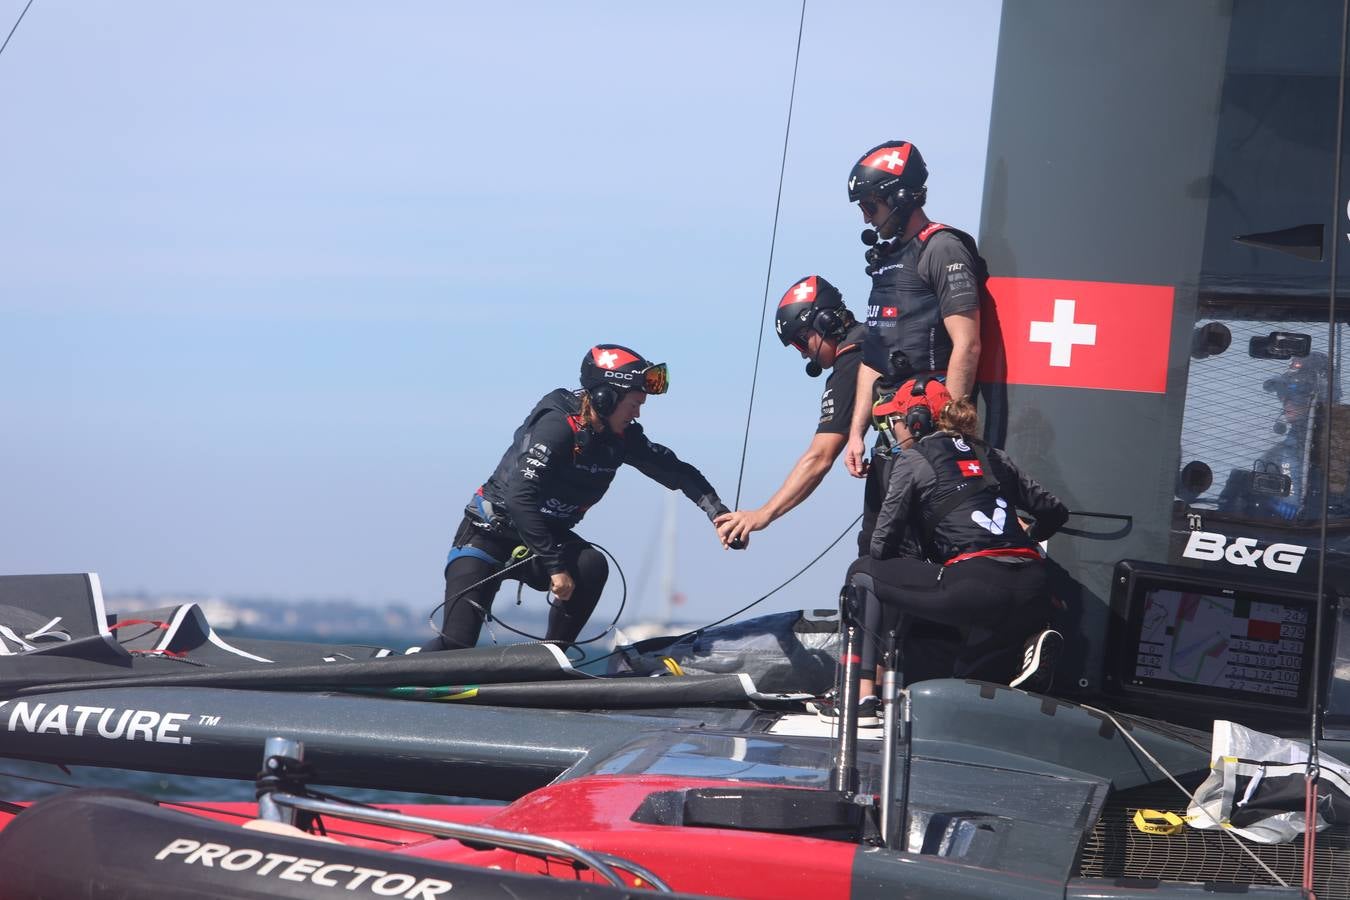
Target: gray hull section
(476,751)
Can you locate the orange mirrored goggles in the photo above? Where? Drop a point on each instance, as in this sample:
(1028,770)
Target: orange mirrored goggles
(655,379)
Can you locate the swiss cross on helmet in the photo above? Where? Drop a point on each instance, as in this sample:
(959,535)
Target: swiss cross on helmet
(812,303)
(608,371)
(914,407)
(893,171)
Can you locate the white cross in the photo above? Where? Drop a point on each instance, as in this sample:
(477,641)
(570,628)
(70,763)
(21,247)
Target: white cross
(802,291)
(607,359)
(891,161)
(1062,333)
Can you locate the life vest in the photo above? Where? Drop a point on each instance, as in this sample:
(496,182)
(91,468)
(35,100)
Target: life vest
(905,334)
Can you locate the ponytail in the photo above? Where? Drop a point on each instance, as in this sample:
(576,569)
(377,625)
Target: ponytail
(959,415)
(588,413)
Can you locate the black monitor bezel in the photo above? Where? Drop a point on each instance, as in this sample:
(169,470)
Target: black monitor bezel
(1130,586)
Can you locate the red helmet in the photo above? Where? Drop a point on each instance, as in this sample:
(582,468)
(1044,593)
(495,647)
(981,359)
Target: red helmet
(915,407)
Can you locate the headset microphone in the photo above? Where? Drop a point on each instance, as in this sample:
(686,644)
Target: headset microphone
(813,369)
(869,235)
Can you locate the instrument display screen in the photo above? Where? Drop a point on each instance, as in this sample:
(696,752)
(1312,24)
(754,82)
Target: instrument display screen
(1243,645)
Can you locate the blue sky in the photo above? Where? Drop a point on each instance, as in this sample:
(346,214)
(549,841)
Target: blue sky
(280,279)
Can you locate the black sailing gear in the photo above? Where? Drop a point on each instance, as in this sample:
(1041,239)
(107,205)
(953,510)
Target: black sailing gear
(915,285)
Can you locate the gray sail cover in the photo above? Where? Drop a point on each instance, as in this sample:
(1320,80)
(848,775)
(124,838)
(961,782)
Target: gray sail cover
(789,652)
(1256,787)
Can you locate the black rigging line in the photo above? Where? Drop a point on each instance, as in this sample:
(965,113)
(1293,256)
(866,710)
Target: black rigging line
(773,240)
(25,12)
(677,638)
(1313,772)
(489,617)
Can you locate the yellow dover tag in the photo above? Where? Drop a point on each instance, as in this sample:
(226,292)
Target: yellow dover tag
(1152,821)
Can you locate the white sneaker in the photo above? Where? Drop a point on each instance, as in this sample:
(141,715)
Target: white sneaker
(1038,661)
(869,711)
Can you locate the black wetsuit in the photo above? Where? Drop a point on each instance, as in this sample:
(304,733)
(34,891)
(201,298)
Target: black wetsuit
(556,468)
(987,572)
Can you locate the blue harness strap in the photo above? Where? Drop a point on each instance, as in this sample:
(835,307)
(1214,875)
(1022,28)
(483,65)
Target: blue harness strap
(475,552)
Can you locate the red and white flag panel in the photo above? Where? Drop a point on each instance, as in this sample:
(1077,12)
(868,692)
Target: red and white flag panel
(610,357)
(1083,334)
(889,159)
(970,467)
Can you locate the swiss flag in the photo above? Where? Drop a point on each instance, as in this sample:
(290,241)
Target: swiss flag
(1084,334)
(610,357)
(803,291)
(889,159)
(970,467)
(889,312)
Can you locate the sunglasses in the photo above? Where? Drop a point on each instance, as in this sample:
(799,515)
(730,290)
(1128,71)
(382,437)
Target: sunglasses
(869,205)
(655,379)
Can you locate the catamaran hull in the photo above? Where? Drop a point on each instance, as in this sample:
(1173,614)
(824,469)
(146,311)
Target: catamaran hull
(115,846)
(479,751)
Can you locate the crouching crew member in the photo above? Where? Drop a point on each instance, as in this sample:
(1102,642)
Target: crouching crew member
(959,498)
(560,463)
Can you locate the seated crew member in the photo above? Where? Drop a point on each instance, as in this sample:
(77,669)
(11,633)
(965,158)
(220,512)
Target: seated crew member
(560,463)
(1285,481)
(959,497)
(812,318)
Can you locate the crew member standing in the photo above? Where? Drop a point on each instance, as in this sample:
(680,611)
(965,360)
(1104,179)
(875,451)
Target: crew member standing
(923,315)
(560,463)
(812,318)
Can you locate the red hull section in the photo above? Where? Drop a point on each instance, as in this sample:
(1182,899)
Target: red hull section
(596,813)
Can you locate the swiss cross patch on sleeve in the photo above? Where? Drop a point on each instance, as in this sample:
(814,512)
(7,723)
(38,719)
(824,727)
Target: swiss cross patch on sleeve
(970,468)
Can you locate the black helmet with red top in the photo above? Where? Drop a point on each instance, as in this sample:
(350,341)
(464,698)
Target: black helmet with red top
(812,303)
(893,171)
(610,370)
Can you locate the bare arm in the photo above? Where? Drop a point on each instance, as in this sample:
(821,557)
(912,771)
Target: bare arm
(855,458)
(805,476)
(964,328)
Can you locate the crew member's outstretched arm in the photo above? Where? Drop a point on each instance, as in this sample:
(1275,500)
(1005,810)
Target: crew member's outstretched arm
(661,465)
(805,476)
